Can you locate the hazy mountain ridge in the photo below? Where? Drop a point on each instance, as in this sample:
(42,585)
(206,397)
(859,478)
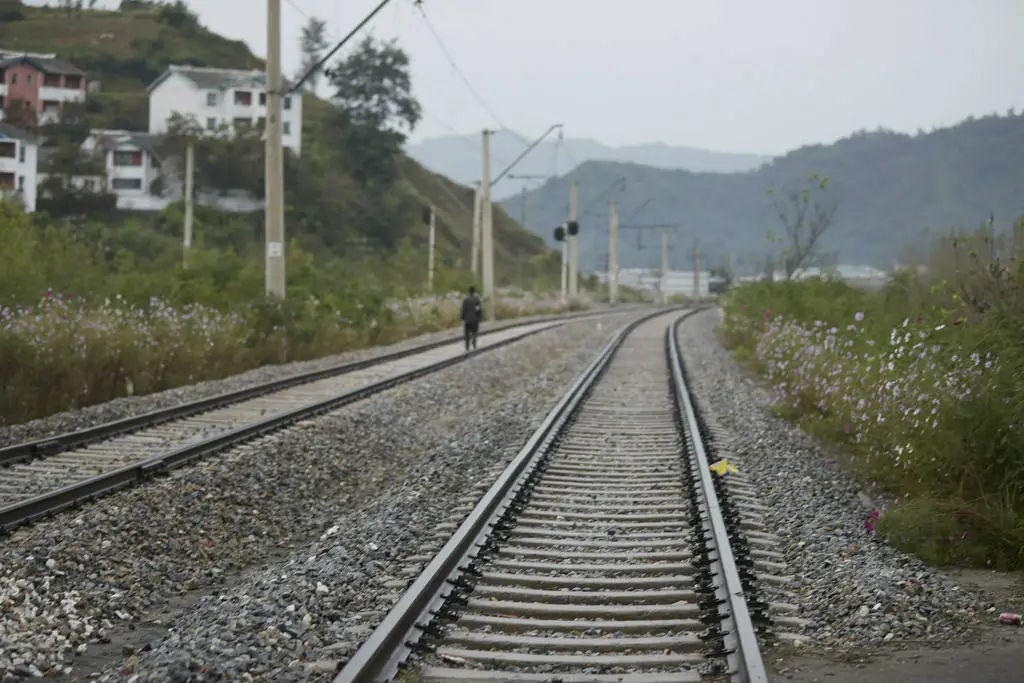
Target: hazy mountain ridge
(893,191)
(460,157)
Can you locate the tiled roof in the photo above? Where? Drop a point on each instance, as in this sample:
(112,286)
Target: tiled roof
(49,65)
(9,131)
(217,79)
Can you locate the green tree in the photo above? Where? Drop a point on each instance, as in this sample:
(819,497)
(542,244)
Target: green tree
(312,44)
(373,95)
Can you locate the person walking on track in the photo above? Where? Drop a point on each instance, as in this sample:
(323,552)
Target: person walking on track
(472,314)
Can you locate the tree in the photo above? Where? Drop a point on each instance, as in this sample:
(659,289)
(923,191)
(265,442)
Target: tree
(373,96)
(312,44)
(805,218)
(225,159)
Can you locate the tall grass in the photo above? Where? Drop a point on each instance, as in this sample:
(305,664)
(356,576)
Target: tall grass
(922,383)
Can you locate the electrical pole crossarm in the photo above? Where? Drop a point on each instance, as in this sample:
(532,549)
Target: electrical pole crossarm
(525,152)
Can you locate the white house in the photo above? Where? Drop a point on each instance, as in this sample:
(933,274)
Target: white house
(218,96)
(19,154)
(131,167)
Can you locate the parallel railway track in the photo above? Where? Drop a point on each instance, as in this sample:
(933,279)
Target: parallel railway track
(602,553)
(42,477)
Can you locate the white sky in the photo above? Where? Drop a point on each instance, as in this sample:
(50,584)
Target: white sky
(731,75)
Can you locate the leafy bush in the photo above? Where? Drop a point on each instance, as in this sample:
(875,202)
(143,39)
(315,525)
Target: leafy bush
(921,383)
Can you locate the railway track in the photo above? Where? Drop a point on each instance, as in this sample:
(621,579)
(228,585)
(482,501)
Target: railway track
(602,553)
(43,477)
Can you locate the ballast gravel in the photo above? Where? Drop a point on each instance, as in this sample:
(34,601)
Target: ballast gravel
(856,591)
(131,406)
(277,558)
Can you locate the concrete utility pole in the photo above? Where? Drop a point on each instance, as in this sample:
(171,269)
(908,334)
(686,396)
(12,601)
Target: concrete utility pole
(475,256)
(664,267)
(430,250)
(732,266)
(696,269)
(275,159)
(573,249)
(613,254)
(487,229)
(190,169)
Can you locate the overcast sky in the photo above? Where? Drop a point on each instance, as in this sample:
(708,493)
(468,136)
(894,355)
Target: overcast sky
(731,75)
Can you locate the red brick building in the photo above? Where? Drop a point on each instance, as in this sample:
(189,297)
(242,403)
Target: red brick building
(42,83)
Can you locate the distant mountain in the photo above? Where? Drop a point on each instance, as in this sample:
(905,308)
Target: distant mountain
(460,157)
(893,191)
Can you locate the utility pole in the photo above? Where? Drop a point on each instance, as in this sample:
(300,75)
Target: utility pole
(696,269)
(475,256)
(275,161)
(665,267)
(613,254)
(487,229)
(190,169)
(732,267)
(430,250)
(573,249)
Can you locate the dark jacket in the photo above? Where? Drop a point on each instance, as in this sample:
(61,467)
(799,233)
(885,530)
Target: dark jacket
(472,309)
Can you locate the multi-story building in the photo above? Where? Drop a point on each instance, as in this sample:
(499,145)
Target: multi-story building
(131,167)
(42,82)
(215,97)
(19,152)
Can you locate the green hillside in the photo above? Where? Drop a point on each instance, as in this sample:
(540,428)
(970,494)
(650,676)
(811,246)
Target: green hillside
(126,50)
(892,190)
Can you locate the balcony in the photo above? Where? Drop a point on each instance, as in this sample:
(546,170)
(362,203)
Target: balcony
(61,94)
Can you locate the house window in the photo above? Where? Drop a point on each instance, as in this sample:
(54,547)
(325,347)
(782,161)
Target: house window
(73,82)
(127,183)
(21,153)
(243,124)
(8,150)
(127,158)
(211,123)
(14,79)
(21,183)
(287,103)
(211,99)
(28,79)
(287,127)
(6,181)
(263,99)
(243,98)
(51,80)
(90,185)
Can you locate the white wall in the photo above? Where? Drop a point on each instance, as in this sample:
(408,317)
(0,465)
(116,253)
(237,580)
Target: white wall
(27,169)
(179,94)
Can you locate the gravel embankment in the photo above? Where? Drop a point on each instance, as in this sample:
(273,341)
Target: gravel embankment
(373,482)
(130,406)
(855,590)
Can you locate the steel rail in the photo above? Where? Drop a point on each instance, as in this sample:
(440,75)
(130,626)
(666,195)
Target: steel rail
(739,634)
(54,501)
(387,648)
(39,448)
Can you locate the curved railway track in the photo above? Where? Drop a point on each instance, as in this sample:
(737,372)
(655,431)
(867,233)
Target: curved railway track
(43,477)
(602,553)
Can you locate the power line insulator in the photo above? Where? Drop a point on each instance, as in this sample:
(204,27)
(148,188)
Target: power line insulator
(573,228)
(560,234)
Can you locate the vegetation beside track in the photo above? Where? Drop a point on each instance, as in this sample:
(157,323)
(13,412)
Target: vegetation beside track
(87,316)
(921,383)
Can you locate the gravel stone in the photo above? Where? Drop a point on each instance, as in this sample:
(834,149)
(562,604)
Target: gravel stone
(130,406)
(855,590)
(281,555)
